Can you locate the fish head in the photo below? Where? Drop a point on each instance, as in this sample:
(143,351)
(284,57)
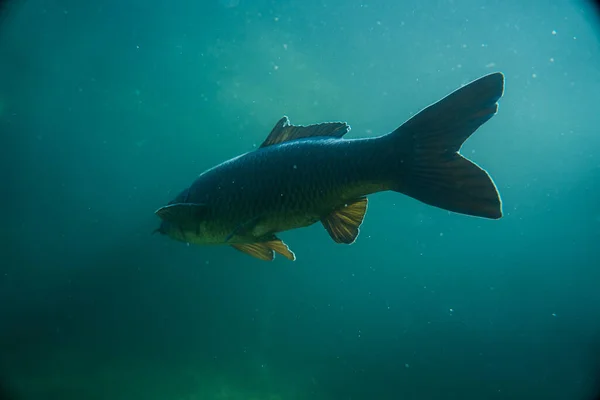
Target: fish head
(185,222)
(183,233)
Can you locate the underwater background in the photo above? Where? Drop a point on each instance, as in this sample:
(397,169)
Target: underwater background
(109,108)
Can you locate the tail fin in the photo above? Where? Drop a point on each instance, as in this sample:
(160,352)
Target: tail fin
(432,169)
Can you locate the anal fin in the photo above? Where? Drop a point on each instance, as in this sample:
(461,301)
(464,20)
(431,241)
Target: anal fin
(343,224)
(266,250)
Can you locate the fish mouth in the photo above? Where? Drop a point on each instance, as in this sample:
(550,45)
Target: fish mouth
(158,230)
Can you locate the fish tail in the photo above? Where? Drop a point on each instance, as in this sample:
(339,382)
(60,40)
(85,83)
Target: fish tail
(426,148)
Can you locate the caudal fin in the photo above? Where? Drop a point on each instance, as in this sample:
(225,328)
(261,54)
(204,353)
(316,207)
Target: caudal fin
(427,145)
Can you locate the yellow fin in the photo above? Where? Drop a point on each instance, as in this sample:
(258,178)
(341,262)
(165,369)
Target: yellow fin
(343,224)
(281,248)
(257,250)
(284,131)
(266,250)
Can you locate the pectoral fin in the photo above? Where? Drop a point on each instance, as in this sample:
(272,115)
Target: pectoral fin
(266,250)
(244,229)
(181,213)
(343,224)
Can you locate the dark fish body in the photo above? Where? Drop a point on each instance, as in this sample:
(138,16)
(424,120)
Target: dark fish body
(278,182)
(305,174)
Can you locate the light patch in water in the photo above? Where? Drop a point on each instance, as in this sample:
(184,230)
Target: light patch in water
(229,3)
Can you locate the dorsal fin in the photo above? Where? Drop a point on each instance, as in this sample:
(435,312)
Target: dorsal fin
(283,131)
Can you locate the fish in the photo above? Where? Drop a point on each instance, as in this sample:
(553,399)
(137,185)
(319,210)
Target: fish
(304,174)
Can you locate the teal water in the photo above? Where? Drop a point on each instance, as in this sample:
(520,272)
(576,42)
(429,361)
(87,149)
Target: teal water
(109,108)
